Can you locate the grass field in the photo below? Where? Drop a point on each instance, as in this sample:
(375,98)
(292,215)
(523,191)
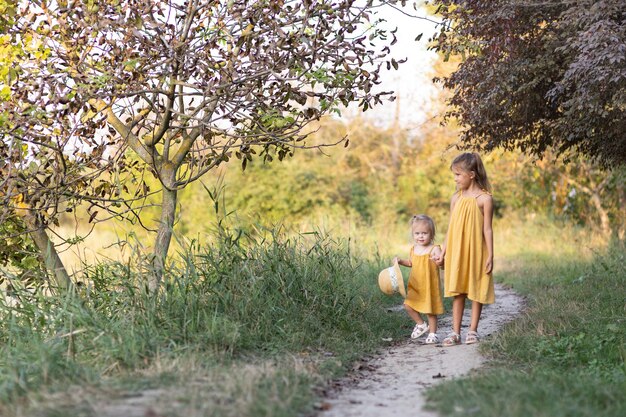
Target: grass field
(244,327)
(252,325)
(566,355)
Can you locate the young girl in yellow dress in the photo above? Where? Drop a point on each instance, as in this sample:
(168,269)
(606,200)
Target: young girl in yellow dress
(423,292)
(467,254)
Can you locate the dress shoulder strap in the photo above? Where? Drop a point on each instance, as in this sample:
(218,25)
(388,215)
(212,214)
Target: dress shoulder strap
(483,192)
(431,249)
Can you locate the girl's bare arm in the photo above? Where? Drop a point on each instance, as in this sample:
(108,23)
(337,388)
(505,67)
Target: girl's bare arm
(404,262)
(440,258)
(436,253)
(487,206)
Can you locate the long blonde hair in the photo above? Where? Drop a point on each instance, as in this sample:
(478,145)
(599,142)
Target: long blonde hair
(471,162)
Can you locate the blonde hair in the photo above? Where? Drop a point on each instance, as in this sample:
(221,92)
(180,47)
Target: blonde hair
(424,219)
(471,162)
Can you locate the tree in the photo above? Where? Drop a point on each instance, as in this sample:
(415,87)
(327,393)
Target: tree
(188,85)
(50,162)
(539,75)
(16,221)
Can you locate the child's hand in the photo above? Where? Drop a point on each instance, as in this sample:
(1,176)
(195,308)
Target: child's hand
(489,265)
(438,258)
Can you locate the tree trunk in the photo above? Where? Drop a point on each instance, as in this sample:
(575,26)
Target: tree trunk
(604,217)
(594,191)
(166,225)
(51,257)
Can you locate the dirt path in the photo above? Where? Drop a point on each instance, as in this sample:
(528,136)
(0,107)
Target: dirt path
(387,385)
(392,384)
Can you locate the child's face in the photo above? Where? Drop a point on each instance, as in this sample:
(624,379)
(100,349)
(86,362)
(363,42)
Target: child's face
(422,234)
(462,177)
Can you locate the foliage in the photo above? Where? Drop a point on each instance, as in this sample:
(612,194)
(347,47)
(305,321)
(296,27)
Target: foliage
(187,86)
(50,162)
(579,191)
(364,185)
(539,75)
(18,254)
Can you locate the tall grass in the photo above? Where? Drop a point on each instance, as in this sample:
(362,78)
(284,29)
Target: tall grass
(240,297)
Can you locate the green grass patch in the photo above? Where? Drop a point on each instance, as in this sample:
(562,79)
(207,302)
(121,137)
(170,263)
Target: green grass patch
(234,310)
(565,356)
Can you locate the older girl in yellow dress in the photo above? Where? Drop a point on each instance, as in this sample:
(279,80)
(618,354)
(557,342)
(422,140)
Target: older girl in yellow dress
(467,254)
(423,292)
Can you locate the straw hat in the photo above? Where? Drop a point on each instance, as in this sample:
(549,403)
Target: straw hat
(390,280)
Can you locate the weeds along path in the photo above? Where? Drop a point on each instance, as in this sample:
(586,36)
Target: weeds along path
(392,384)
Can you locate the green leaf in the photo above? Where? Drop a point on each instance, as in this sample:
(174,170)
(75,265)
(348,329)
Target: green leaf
(5,93)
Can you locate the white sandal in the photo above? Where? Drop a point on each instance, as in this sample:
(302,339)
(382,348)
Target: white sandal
(452,339)
(472,337)
(432,339)
(419,330)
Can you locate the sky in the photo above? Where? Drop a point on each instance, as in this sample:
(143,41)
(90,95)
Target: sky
(412,81)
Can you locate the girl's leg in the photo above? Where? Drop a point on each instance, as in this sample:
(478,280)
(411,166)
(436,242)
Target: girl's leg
(421,327)
(472,335)
(414,315)
(432,338)
(477,309)
(432,323)
(458,306)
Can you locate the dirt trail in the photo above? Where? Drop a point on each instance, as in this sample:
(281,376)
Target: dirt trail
(392,383)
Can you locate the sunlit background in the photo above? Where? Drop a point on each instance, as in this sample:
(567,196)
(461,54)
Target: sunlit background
(396,165)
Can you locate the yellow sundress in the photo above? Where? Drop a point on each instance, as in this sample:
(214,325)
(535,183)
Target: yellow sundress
(423,290)
(466,254)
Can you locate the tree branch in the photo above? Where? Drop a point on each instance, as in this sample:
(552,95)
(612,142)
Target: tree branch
(145,153)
